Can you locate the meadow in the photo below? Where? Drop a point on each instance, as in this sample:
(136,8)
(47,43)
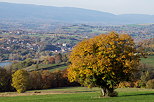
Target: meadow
(149,60)
(79,94)
(51,67)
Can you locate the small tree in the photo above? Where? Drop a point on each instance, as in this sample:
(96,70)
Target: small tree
(51,60)
(20,80)
(58,58)
(103,61)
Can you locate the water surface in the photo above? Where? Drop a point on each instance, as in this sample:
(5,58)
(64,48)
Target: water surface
(2,64)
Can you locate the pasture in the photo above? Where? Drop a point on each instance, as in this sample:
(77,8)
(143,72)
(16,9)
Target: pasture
(79,94)
(149,60)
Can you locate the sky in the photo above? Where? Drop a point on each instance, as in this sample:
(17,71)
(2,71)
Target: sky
(112,6)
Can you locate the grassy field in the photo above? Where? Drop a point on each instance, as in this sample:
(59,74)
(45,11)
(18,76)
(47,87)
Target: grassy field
(80,94)
(149,60)
(51,67)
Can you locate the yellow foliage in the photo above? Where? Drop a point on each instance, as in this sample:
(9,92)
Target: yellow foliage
(125,84)
(20,80)
(110,57)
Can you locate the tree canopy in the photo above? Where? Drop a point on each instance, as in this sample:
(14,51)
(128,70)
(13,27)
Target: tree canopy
(20,80)
(104,61)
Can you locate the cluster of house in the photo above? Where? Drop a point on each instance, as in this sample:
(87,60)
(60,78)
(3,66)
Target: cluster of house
(9,43)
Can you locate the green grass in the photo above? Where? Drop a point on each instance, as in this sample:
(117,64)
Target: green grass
(149,60)
(59,68)
(86,95)
(51,67)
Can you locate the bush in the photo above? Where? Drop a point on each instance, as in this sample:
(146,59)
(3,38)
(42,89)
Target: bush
(137,83)
(113,94)
(125,84)
(144,78)
(150,84)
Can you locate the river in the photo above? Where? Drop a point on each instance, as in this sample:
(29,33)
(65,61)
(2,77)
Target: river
(2,64)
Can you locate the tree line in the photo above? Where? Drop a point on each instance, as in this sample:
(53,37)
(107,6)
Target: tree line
(22,80)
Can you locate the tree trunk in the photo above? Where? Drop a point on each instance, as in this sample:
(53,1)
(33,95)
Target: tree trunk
(104,92)
(107,92)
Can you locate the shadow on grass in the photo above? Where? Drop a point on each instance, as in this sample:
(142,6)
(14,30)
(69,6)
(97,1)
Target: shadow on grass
(79,91)
(138,94)
(84,91)
(52,67)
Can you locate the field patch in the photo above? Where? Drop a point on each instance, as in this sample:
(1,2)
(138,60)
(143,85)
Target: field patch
(80,94)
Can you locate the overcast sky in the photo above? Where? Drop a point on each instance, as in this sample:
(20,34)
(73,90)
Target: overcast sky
(112,6)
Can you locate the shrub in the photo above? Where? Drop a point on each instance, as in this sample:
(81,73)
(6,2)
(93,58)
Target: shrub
(137,83)
(125,84)
(144,78)
(113,94)
(150,84)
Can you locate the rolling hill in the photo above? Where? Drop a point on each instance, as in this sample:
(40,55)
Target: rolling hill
(27,12)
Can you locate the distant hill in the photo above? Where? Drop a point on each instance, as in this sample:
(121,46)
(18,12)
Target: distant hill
(26,12)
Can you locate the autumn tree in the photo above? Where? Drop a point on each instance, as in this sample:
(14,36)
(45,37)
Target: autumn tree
(51,60)
(58,79)
(103,61)
(35,80)
(65,57)
(20,80)
(5,80)
(58,58)
(46,79)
